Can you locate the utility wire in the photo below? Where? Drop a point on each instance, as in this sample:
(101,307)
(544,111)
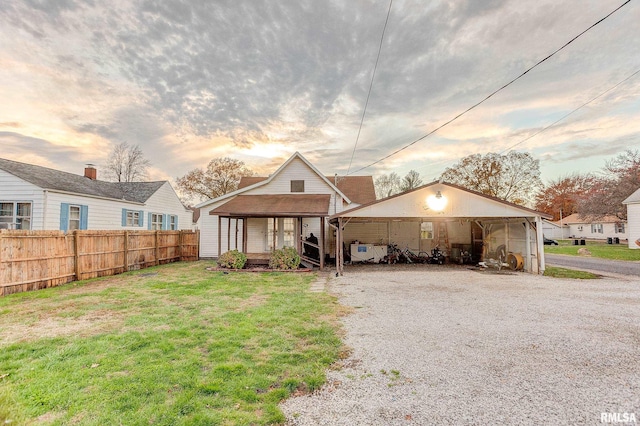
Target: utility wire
(567,115)
(493,93)
(364,111)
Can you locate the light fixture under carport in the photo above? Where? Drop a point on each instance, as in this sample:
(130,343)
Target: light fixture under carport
(437,202)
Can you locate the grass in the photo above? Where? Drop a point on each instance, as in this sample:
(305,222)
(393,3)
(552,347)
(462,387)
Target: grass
(597,248)
(552,271)
(169,345)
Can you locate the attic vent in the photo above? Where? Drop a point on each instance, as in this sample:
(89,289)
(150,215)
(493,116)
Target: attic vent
(297,186)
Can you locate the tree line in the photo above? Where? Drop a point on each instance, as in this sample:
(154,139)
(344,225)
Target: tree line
(513,177)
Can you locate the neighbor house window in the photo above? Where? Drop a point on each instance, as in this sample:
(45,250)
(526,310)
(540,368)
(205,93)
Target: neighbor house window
(73,216)
(157,221)
(297,186)
(173,222)
(15,215)
(596,228)
(426,230)
(619,228)
(132,217)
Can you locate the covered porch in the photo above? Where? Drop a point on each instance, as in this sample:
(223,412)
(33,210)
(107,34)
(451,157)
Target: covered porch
(256,225)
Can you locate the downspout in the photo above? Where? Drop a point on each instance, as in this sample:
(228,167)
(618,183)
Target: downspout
(44,209)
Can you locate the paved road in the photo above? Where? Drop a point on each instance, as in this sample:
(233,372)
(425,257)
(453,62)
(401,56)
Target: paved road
(593,264)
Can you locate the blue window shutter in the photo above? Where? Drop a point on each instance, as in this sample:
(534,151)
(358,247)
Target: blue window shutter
(149,222)
(141,218)
(124,217)
(165,224)
(84,217)
(64,216)
(176,216)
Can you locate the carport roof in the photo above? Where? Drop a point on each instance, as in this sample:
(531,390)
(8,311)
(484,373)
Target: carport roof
(414,208)
(282,205)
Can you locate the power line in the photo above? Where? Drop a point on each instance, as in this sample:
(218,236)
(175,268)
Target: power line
(567,115)
(364,111)
(490,95)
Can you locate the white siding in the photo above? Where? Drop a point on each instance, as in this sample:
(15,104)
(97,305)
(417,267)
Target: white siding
(16,189)
(583,230)
(165,201)
(633,224)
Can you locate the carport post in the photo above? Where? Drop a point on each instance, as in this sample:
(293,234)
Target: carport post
(527,238)
(539,238)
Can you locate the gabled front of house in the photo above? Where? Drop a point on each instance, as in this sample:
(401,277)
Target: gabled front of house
(39,198)
(281,210)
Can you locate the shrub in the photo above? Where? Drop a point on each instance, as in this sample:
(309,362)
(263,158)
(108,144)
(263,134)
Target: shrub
(285,258)
(232,259)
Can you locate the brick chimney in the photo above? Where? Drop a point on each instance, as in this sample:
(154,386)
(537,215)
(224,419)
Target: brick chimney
(90,172)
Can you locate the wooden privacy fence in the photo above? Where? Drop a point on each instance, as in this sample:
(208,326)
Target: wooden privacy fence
(31,260)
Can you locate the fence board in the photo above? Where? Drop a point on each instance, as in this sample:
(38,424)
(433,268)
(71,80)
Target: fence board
(31,260)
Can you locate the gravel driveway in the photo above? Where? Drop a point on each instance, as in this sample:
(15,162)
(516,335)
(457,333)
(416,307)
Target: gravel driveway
(448,345)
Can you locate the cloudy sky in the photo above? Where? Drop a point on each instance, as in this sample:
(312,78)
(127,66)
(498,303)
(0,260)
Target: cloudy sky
(192,80)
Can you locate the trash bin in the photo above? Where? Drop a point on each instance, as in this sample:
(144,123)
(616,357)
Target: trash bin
(583,242)
(575,242)
(616,240)
(609,240)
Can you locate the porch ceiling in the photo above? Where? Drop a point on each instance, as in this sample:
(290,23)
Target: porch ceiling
(277,205)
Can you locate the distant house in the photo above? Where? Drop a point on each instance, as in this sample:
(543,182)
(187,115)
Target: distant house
(283,209)
(633,217)
(555,230)
(39,198)
(597,229)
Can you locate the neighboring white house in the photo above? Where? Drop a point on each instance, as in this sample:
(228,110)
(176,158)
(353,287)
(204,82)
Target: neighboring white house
(633,219)
(597,229)
(554,230)
(39,198)
(284,209)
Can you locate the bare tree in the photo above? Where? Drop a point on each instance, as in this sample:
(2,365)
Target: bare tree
(514,177)
(387,185)
(620,178)
(221,176)
(410,181)
(126,164)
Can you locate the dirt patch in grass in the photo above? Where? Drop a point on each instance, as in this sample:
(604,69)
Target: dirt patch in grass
(50,326)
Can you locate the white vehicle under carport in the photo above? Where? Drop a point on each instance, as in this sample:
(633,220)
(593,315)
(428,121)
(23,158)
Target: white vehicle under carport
(452,218)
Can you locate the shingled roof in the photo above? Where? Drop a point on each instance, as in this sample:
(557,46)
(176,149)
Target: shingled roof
(57,180)
(359,189)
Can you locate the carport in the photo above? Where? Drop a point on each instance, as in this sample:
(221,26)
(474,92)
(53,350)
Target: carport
(451,217)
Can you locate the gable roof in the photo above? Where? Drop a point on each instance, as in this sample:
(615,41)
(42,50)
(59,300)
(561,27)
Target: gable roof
(576,218)
(346,213)
(257,182)
(359,189)
(56,180)
(633,198)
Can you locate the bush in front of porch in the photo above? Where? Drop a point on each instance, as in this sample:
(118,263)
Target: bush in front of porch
(284,258)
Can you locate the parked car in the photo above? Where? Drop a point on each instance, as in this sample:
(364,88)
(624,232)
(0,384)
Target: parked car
(549,242)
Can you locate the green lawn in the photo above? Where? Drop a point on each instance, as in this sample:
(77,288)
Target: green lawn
(169,345)
(552,271)
(597,249)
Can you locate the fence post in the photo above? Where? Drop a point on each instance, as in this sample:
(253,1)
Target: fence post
(180,243)
(157,249)
(76,254)
(126,251)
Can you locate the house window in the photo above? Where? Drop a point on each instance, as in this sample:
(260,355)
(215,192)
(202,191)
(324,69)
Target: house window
(156,221)
(596,228)
(74,218)
(426,230)
(133,218)
(15,215)
(288,232)
(619,228)
(297,186)
(173,222)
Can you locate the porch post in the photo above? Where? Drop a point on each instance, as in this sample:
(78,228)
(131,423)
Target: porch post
(219,236)
(321,243)
(244,235)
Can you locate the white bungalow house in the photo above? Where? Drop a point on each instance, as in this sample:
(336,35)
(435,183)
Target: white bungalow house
(283,209)
(633,217)
(596,229)
(39,198)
